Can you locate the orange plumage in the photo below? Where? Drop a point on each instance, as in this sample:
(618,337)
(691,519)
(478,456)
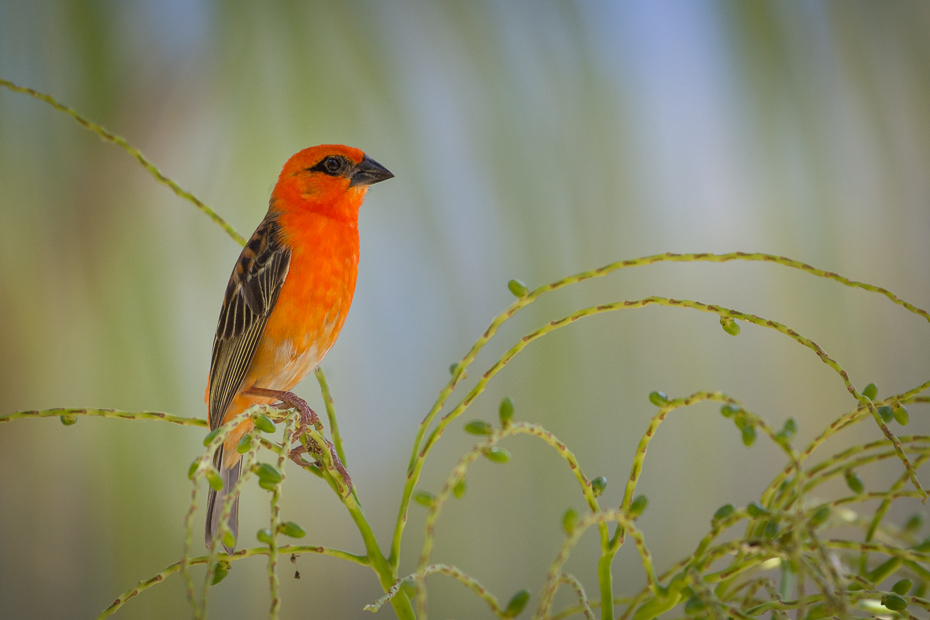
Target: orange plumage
(289,294)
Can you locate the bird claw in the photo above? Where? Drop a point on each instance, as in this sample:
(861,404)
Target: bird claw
(296,455)
(308,416)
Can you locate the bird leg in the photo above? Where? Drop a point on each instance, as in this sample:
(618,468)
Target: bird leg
(297,453)
(307,417)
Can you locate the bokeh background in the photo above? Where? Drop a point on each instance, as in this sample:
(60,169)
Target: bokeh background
(529,140)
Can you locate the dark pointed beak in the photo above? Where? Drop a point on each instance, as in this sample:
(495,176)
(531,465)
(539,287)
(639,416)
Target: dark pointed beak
(368,172)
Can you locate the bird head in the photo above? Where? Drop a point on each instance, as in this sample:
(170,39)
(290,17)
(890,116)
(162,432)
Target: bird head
(330,179)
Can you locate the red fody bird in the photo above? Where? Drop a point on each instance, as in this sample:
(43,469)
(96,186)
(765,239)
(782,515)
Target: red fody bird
(287,298)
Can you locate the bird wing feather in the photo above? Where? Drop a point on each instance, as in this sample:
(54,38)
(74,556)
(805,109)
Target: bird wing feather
(250,298)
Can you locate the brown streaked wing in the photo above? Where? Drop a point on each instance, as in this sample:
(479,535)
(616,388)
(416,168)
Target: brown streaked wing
(251,296)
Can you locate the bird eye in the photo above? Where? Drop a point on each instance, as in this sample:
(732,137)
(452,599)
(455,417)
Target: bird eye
(332,164)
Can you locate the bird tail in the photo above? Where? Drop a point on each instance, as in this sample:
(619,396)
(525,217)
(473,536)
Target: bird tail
(216,500)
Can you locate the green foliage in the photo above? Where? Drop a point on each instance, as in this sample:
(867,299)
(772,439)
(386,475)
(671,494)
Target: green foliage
(726,575)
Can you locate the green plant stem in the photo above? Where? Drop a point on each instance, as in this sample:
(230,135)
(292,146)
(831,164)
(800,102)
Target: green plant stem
(123,144)
(331,415)
(104,413)
(239,555)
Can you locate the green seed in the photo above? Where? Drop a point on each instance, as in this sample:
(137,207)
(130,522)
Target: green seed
(244,444)
(598,485)
(291,529)
(213,477)
(68,420)
(894,602)
(569,520)
(638,506)
(854,482)
(506,412)
(263,422)
(902,587)
(517,604)
(870,391)
(269,472)
(694,606)
(211,436)
(724,511)
(885,412)
(518,289)
(820,515)
(409,587)
(729,410)
(424,498)
(452,367)
(900,414)
(497,455)
(658,398)
(220,570)
(756,510)
(193,469)
(459,489)
(229,540)
(478,427)
(729,325)
(264,535)
(914,523)
(791,426)
(749,435)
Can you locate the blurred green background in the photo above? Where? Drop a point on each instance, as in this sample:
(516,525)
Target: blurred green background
(529,139)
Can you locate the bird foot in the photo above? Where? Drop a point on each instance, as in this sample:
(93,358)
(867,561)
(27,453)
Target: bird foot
(307,415)
(297,453)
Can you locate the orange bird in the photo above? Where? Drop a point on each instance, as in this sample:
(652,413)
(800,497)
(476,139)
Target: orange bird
(287,298)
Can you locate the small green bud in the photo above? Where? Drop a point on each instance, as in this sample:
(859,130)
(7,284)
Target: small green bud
(211,436)
(729,325)
(694,606)
(729,410)
(820,516)
(424,498)
(598,485)
(569,520)
(213,477)
(264,535)
(770,530)
(870,391)
(478,427)
(452,367)
(459,489)
(289,528)
(244,444)
(268,476)
(749,434)
(220,570)
(924,546)
(68,420)
(791,426)
(902,587)
(854,482)
(263,422)
(518,289)
(756,510)
(638,505)
(517,604)
(658,398)
(886,414)
(497,455)
(894,602)
(724,511)
(900,414)
(193,469)
(914,523)
(783,437)
(229,540)
(506,412)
